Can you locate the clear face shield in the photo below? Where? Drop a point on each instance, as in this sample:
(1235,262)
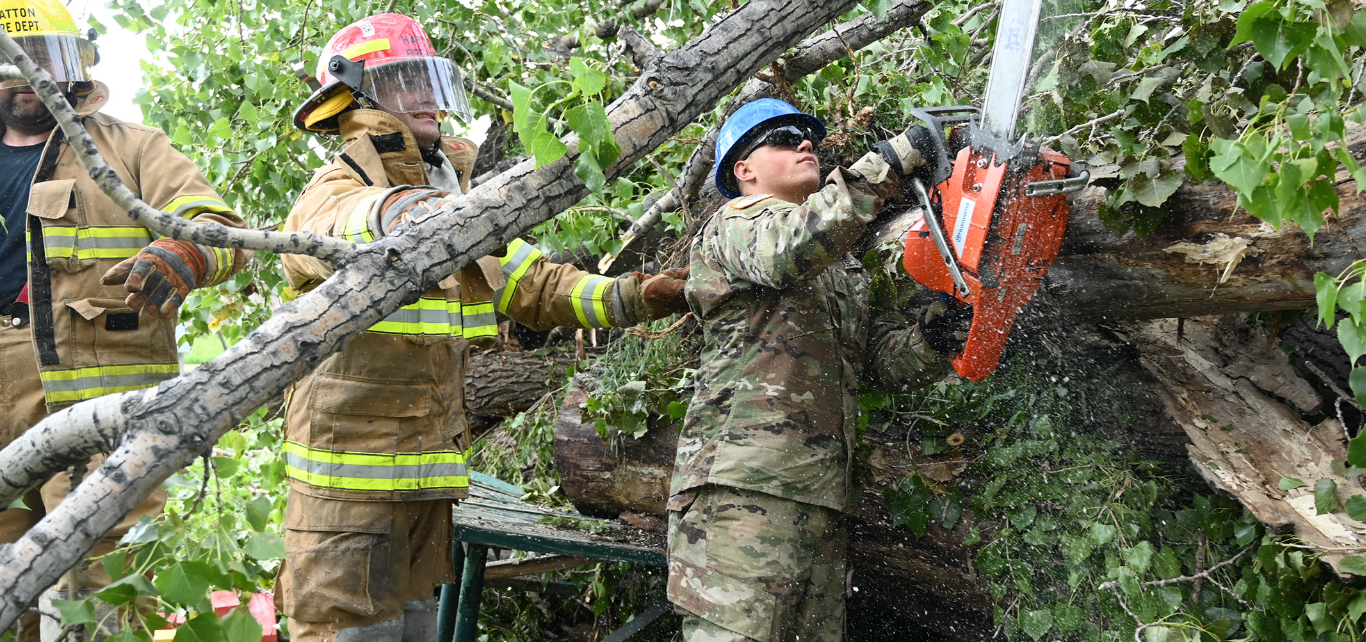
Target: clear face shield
(65,57)
(418,84)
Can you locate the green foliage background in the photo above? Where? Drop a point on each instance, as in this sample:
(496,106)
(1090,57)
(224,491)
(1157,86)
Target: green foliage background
(1151,94)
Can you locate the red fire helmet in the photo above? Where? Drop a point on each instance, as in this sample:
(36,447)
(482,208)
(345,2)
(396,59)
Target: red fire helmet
(402,73)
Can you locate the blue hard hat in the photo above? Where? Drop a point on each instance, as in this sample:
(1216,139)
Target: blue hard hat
(748,123)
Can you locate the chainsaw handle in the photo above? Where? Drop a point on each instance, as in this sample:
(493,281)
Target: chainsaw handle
(936,119)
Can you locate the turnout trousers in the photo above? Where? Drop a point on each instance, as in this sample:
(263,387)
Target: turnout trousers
(358,571)
(21,396)
(745,565)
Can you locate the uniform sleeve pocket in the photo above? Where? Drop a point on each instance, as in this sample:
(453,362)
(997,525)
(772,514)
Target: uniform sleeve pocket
(343,396)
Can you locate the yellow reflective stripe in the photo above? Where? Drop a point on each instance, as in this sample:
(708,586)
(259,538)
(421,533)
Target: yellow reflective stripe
(88,243)
(357,228)
(224,258)
(78,384)
(194,205)
(479,320)
(518,259)
(587,299)
(377,471)
(369,46)
(429,317)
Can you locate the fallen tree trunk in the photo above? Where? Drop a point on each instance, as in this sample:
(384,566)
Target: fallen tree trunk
(163,428)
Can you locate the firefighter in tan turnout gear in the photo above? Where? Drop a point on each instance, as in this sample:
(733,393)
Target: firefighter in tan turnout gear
(90,309)
(376,440)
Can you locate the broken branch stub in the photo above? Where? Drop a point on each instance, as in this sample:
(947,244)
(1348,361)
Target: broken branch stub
(325,248)
(170,424)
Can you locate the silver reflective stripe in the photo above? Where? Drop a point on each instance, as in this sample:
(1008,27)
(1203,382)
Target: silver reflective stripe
(480,320)
(386,471)
(519,257)
(106,381)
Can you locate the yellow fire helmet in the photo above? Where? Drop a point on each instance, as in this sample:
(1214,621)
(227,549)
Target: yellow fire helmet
(48,34)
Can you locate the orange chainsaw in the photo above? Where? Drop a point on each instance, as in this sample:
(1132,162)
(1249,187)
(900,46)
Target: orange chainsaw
(994,216)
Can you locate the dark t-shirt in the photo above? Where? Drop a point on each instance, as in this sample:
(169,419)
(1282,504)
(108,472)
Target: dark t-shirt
(17,166)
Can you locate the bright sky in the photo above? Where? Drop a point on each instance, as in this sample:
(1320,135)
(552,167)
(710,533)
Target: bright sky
(120,53)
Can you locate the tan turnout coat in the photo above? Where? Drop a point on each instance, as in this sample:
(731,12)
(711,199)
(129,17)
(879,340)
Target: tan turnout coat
(384,419)
(88,342)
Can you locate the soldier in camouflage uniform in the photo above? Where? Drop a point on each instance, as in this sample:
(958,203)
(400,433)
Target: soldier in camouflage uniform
(756,537)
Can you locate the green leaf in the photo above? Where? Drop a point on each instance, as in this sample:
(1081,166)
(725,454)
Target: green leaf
(1153,192)
(226,466)
(1036,623)
(1299,126)
(589,121)
(1278,40)
(878,8)
(1326,292)
(1357,380)
(1235,167)
(1102,534)
(1353,339)
(521,106)
(1316,613)
(126,589)
(590,81)
(201,628)
(1356,450)
(1138,556)
(1248,17)
(185,583)
(222,128)
(677,410)
(1358,605)
(265,546)
(587,169)
(240,626)
(1290,483)
(547,148)
(75,611)
(1325,496)
(1356,507)
(258,513)
(1162,634)
(1067,617)
(1355,32)
(1145,88)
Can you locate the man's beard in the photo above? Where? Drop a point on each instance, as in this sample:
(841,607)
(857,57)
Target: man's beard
(30,118)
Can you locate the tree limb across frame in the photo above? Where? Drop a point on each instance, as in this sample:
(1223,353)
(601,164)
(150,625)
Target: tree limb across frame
(807,58)
(325,248)
(165,427)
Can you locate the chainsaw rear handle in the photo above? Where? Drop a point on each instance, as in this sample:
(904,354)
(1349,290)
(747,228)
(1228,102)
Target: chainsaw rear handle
(937,119)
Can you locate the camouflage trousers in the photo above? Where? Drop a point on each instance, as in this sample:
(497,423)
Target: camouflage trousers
(751,566)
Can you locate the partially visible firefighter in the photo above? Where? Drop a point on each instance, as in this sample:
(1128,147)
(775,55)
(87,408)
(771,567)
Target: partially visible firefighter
(376,438)
(90,307)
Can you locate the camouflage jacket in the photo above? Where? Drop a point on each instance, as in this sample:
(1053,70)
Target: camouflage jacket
(789,335)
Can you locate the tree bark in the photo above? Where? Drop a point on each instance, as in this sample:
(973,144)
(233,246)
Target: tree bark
(504,383)
(165,426)
(1234,392)
(632,476)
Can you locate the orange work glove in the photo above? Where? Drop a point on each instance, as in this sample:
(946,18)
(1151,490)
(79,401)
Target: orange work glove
(160,277)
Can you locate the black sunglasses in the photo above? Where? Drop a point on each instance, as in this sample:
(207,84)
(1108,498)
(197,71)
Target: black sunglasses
(785,137)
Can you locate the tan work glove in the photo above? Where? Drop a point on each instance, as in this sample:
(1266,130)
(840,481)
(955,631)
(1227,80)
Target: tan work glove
(663,294)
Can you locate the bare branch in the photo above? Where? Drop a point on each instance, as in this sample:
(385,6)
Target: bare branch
(1090,123)
(643,52)
(326,248)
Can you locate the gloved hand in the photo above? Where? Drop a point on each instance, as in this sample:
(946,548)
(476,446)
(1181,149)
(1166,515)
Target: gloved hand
(663,294)
(945,327)
(408,205)
(909,153)
(160,277)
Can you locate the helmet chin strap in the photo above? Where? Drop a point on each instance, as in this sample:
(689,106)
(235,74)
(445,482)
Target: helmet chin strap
(432,154)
